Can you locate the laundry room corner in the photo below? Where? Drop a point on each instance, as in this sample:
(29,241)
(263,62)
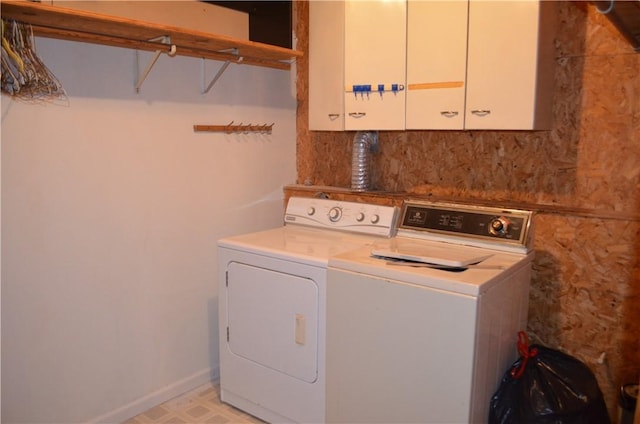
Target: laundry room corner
(111,208)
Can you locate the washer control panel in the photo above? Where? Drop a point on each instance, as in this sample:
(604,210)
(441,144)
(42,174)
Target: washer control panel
(496,226)
(356,217)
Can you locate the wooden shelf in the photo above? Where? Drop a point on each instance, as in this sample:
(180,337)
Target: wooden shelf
(76,25)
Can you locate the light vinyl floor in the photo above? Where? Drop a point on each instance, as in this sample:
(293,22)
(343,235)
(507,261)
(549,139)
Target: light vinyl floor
(199,406)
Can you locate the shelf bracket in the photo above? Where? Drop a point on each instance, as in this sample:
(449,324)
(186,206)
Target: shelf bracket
(165,39)
(218,74)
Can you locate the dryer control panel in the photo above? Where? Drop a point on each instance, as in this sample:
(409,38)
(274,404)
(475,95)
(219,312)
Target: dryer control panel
(363,218)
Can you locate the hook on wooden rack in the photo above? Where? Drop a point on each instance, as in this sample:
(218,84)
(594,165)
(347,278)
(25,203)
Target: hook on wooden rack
(232,128)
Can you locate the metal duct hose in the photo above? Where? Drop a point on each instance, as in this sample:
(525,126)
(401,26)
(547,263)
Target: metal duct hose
(364,143)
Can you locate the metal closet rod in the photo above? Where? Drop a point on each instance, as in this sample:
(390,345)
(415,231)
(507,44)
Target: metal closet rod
(231,128)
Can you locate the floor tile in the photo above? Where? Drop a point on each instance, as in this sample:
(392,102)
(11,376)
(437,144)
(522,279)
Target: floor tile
(201,405)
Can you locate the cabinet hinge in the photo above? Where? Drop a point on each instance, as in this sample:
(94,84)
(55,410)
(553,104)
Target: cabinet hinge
(227,334)
(226,277)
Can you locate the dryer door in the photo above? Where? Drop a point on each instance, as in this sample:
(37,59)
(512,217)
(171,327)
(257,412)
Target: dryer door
(273,319)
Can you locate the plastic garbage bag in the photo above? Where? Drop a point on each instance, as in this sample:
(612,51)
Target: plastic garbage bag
(547,386)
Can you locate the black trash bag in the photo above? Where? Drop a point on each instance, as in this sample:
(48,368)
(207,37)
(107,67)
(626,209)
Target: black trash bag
(546,386)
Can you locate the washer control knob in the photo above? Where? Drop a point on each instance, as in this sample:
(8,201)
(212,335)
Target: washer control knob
(335,213)
(499,226)
(360,217)
(375,218)
(311,210)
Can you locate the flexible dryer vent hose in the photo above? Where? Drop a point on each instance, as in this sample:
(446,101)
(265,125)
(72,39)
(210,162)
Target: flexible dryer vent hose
(364,143)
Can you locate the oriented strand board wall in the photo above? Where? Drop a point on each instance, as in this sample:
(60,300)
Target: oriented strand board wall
(583,178)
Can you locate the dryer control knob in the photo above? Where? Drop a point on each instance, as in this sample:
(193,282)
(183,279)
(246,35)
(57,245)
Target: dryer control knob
(335,213)
(360,217)
(311,210)
(499,226)
(375,219)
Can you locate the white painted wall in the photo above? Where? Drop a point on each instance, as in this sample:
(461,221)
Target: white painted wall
(111,208)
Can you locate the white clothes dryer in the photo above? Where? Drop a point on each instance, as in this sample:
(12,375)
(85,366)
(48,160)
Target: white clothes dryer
(421,327)
(272,305)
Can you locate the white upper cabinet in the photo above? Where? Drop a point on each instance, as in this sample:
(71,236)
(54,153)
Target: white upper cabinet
(494,72)
(436,64)
(510,65)
(375,57)
(326,65)
(357,65)
(431,65)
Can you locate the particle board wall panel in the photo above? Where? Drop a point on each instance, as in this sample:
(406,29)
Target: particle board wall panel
(584,294)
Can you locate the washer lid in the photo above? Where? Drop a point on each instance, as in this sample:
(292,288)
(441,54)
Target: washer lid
(438,254)
(472,280)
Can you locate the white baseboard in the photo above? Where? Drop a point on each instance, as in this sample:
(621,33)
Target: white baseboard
(152,399)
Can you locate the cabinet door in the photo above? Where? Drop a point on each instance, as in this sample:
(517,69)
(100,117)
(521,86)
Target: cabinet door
(375,54)
(326,65)
(436,64)
(503,65)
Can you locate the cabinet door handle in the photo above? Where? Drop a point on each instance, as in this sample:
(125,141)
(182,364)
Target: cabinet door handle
(481,112)
(449,113)
(334,116)
(357,114)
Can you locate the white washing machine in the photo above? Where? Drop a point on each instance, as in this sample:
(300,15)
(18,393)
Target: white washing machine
(421,327)
(272,305)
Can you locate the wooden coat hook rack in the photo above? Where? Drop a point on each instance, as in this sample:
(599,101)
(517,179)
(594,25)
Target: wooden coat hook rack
(232,128)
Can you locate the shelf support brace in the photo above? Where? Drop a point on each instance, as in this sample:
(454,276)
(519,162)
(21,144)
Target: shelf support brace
(217,76)
(165,39)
